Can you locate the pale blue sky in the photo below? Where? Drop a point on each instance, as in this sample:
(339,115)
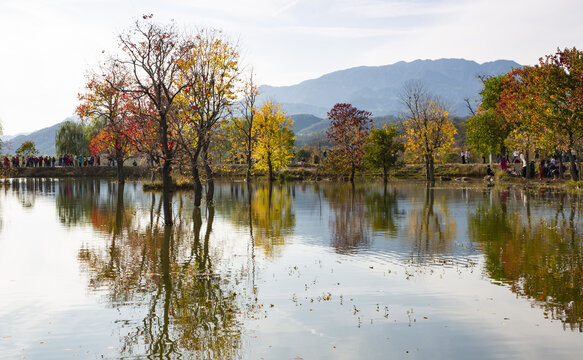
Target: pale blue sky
(47,46)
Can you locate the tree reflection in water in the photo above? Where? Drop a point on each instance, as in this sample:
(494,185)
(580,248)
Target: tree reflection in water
(540,257)
(192,309)
(266,209)
(431,228)
(349,225)
(382,211)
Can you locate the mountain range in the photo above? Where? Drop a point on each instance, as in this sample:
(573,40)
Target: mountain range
(377,88)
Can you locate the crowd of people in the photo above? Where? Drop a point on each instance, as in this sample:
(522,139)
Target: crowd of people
(550,168)
(52,161)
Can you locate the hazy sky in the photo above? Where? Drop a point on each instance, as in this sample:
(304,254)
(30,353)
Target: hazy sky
(47,46)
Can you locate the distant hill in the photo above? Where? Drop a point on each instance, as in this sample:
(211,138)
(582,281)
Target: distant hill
(377,88)
(44,139)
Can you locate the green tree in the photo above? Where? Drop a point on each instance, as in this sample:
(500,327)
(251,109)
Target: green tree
(27,149)
(72,138)
(486,130)
(382,148)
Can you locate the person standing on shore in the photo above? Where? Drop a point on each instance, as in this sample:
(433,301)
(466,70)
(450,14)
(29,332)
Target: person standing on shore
(503,164)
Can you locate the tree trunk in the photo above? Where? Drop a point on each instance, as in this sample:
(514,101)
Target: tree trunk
(248,174)
(166,173)
(427,168)
(270,166)
(120,174)
(196,182)
(385,177)
(572,167)
(119,161)
(210,184)
(561,174)
(352,171)
(167,192)
(431,170)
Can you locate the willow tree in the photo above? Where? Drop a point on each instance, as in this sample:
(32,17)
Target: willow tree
(151,53)
(428,128)
(275,138)
(209,74)
(71,138)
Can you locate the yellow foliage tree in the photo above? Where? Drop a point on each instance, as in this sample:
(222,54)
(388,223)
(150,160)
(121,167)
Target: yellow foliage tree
(428,128)
(275,138)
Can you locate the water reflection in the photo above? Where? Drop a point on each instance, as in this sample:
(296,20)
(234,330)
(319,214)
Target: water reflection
(349,225)
(168,273)
(382,209)
(432,228)
(190,290)
(27,190)
(540,257)
(265,209)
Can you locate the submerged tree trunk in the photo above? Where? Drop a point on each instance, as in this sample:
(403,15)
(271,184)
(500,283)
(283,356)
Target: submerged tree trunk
(167,192)
(210,190)
(248,173)
(119,163)
(120,175)
(196,182)
(429,169)
(270,166)
(166,173)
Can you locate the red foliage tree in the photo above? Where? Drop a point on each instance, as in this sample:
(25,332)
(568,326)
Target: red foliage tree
(348,132)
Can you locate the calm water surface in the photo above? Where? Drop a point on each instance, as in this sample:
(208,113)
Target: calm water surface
(312,271)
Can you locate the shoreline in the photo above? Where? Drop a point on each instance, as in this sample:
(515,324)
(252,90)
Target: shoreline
(446,174)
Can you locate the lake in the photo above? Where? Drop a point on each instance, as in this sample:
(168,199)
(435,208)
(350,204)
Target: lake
(291,271)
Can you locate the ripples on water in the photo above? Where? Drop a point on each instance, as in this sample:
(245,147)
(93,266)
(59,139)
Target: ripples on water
(289,271)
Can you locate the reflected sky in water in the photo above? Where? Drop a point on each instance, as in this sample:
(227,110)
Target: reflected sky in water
(299,270)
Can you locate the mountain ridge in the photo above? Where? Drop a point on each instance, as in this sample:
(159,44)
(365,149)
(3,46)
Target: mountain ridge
(377,88)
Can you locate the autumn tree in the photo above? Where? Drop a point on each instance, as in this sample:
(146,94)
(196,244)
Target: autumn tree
(348,132)
(382,149)
(151,54)
(428,128)
(26,149)
(558,83)
(244,135)
(71,138)
(209,74)
(522,112)
(104,103)
(275,138)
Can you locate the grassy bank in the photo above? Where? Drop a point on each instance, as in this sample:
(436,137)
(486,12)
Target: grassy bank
(71,171)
